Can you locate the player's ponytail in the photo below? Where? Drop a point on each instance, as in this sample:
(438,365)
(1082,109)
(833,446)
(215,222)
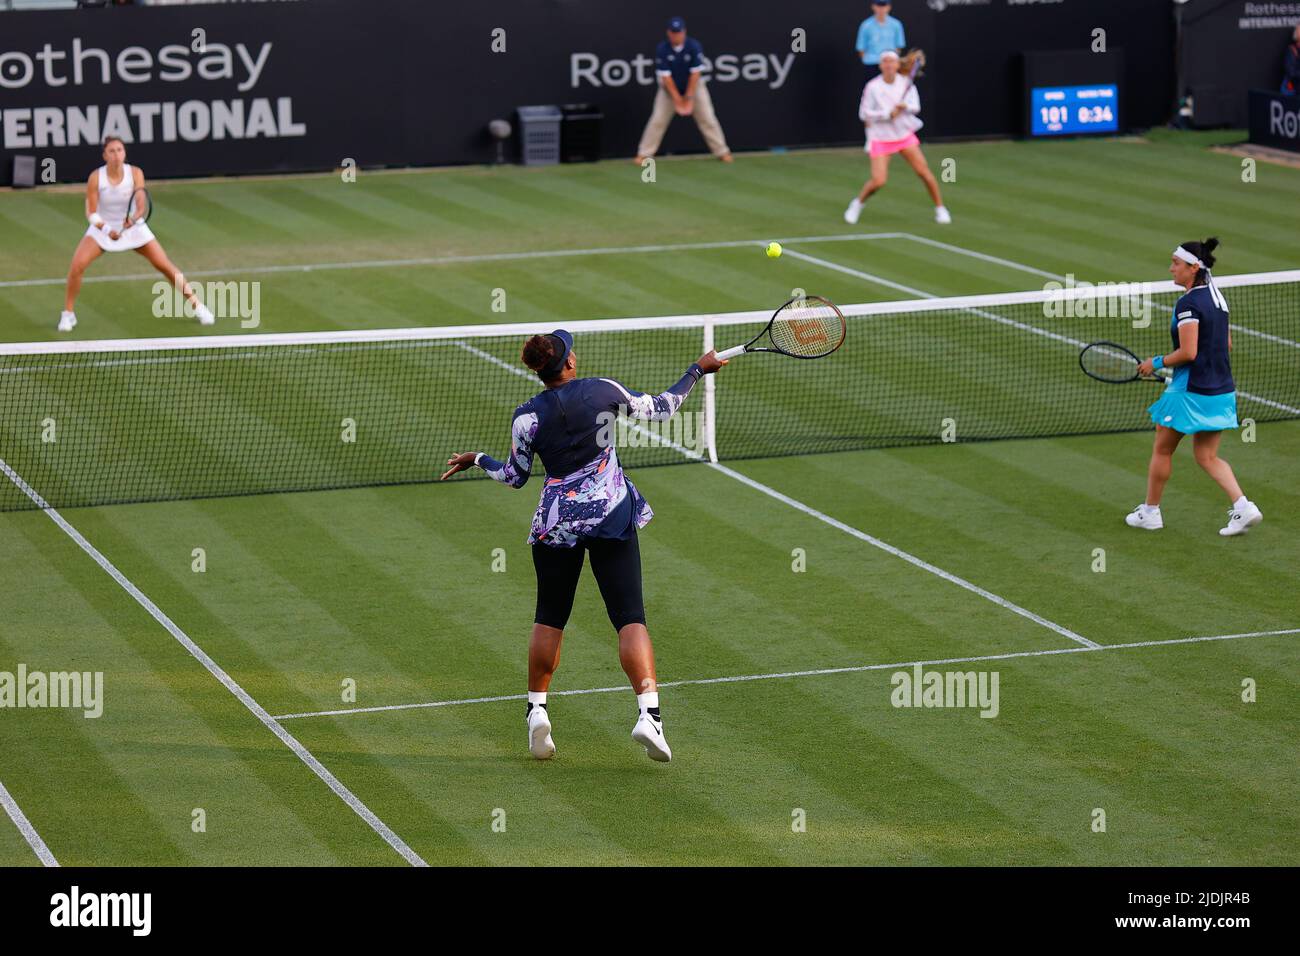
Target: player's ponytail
(1205,252)
(539,352)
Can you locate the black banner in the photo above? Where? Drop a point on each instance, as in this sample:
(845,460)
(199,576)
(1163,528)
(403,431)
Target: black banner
(246,88)
(1275,120)
(1230,47)
(1232,908)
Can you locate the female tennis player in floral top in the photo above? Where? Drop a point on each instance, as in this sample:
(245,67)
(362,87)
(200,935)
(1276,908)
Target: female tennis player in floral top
(588,506)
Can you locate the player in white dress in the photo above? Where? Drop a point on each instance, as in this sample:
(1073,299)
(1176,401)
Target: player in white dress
(108,196)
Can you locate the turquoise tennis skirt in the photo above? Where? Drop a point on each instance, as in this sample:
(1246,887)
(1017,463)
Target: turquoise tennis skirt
(1188,412)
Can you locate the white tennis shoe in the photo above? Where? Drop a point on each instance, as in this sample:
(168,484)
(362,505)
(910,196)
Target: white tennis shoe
(853,212)
(540,743)
(1242,519)
(67,321)
(1140,517)
(942,216)
(649,733)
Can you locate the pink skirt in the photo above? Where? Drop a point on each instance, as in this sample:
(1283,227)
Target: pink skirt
(889,147)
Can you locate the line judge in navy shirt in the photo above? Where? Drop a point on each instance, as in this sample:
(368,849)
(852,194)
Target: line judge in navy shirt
(877,34)
(679,60)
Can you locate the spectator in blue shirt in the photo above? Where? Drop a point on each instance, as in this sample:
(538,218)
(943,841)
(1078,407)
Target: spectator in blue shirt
(878,33)
(679,61)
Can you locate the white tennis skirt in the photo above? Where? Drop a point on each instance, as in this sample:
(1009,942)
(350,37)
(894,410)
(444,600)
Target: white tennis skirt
(133,238)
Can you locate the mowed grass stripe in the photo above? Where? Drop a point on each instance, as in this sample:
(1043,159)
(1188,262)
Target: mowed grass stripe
(121,788)
(299,792)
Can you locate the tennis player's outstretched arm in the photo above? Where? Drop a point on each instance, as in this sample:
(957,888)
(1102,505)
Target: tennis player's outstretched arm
(517,467)
(661,407)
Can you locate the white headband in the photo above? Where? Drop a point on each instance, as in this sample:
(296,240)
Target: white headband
(1191,260)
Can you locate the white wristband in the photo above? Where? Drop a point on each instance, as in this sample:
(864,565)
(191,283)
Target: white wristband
(96,219)
(477,457)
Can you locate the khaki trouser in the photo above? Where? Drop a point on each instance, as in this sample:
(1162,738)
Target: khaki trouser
(663,114)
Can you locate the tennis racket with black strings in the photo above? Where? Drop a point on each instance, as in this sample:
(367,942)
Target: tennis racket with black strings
(807,327)
(138,210)
(1113,363)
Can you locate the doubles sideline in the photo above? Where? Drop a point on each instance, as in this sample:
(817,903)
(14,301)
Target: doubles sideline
(258,711)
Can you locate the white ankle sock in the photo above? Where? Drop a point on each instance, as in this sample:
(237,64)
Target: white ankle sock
(1150,509)
(537,697)
(1240,503)
(647,701)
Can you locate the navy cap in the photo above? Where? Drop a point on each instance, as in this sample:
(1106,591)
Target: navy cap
(563,342)
(677,24)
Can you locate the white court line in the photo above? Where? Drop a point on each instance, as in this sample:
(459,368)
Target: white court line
(1021,325)
(856,273)
(785,675)
(25,828)
(622,250)
(996,260)
(899,553)
(271,723)
(460,260)
(1012,264)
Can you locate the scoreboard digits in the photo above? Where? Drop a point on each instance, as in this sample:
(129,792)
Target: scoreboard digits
(1074,110)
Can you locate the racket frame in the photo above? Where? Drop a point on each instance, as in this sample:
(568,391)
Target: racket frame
(148,200)
(749,346)
(1137,376)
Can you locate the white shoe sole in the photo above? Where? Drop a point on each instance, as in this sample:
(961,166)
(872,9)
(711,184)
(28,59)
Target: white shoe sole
(540,744)
(1255,519)
(656,747)
(1146,527)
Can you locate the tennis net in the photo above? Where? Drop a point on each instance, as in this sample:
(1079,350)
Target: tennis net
(91,423)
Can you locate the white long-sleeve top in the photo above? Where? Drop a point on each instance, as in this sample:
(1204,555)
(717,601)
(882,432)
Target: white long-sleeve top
(878,101)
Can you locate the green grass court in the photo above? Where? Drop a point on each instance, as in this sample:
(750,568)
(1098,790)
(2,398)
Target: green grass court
(394,587)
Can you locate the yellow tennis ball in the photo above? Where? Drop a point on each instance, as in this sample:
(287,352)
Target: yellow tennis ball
(773,250)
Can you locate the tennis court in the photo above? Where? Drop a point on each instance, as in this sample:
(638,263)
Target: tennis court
(784,589)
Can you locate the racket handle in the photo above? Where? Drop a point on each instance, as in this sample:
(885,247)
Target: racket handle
(731,353)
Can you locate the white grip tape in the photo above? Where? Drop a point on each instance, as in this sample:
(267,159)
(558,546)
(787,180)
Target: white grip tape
(731,353)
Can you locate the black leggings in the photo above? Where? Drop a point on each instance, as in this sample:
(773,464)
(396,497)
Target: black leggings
(617,566)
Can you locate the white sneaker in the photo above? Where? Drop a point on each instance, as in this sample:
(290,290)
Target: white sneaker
(649,733)
(1140,517)
(540,743)
(204,315)
(942,216)
(1240,519)
(67,321)
(853,212)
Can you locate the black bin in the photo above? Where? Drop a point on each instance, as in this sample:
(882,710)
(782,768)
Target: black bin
(580,133)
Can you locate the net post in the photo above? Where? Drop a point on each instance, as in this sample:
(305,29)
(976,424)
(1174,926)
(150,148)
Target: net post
(710,399)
